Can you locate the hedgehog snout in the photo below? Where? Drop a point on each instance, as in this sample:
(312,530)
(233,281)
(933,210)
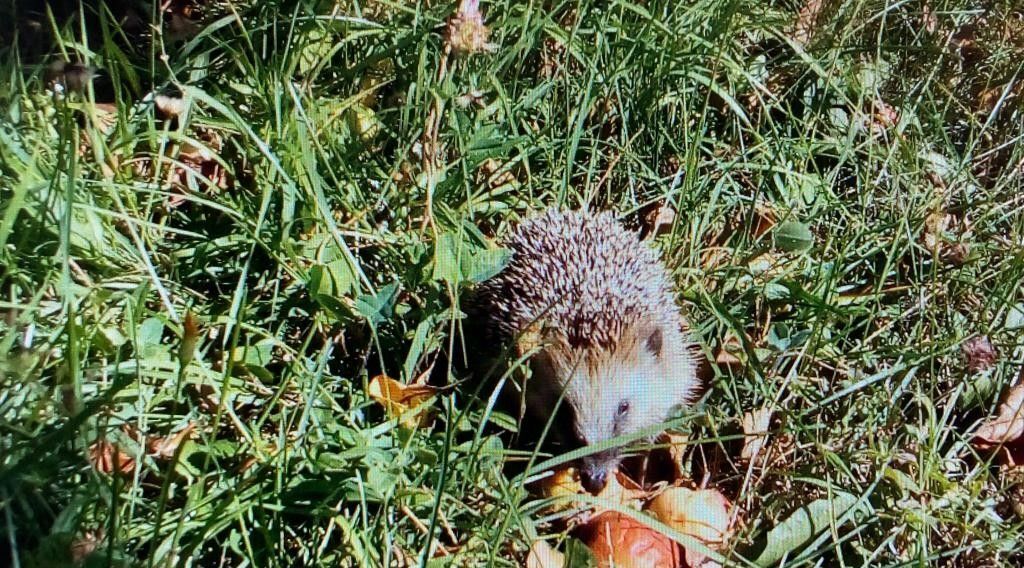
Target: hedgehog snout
(595,469)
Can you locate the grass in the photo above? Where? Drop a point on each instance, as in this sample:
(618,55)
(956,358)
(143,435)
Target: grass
(195,305)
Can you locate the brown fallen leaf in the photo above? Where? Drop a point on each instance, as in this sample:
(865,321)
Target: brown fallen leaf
(807,21)
(495,174)
(107,458)
(561,483)
(764,221)
(164,447)
(398,399)
(677,446)
(465,32)
(935,224)
(194,166)
(1008,425)
(956,254)
(715,256)
(881,119)
(199,167)
(624,491)
(85,545)
(190,331)
(531,339)
(979,353)
(621,490)
(755,434)
(928,18)
(658,221)
(202,156)
(101,116)
(727,354)
(942,235)
(205,396)
(543,555)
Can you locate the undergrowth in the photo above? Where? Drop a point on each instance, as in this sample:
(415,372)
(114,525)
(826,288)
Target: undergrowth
(222,220)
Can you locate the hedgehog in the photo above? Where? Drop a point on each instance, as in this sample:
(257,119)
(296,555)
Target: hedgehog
(592,307)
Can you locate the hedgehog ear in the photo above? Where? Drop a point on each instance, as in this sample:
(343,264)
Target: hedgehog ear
(653,341)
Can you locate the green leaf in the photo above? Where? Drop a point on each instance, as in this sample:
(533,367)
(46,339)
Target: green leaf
(378,308)
(416,348)
(775,291)
(335,278)
(257,355)
(793,236)
(147,339)
(577,555)
(446,259)
(802,526)
(1015,317)
(457,261)
(485,264)
(318,47)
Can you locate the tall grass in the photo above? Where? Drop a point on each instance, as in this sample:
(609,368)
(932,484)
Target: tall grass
(195,302)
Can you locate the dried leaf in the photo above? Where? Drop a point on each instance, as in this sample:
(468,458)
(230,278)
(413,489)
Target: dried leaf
(211,144)
(624,491)
(543,555)
(928,18)
(398,399)
(763,222)
(201,162)
(881,119)
(726,354)
(85,545)
(935,225)
(466,33)
(561,483)
(755,428)
(677,445)
(101,116)
(658,220)
(108,458)
(1008,425)
(166,446)
(713,257)
(189,338)
(956,254)
(807,21)
(979,353)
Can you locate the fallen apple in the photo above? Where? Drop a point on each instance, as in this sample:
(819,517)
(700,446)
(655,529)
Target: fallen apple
(619,541)
(702,514)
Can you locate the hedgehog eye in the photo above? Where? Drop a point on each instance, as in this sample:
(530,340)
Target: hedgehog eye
(623,408)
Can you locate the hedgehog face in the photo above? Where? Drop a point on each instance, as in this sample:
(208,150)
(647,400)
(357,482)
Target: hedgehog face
(619,392)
